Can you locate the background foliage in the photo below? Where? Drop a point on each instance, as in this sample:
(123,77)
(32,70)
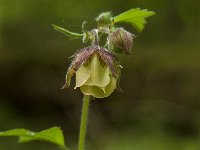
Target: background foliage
(160,104)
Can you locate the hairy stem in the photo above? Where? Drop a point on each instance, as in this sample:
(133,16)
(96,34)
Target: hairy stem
(96,37)
(84,119)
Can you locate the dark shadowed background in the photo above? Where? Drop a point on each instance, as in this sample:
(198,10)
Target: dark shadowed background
(159,108)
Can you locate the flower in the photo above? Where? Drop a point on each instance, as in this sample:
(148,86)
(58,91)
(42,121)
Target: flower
(97,71)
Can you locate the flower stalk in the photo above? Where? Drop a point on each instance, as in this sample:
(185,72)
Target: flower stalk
(84,119)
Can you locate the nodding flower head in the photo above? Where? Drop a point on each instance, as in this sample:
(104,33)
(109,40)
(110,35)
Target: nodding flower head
(97,71)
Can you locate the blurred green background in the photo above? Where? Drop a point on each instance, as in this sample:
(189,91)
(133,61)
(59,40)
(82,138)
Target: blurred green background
(159,108)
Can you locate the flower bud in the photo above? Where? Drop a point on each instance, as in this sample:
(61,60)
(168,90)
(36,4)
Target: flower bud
(104,19)
(121,41)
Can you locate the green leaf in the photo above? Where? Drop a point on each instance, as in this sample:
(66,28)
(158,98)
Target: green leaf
(53,135)
(136,17)
(72,35)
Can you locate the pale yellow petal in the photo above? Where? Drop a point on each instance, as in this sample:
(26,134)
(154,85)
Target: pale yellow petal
(98,92)
(82,75)
(99,75)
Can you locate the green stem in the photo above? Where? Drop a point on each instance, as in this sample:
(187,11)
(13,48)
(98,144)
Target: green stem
(83,126)
(67,32)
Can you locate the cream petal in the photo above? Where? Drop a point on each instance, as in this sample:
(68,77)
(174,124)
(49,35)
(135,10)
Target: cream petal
(110,87)
(99,75)
(82,75)
(98,92)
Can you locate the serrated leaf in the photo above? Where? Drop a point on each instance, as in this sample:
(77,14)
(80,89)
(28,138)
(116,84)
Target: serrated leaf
(136,17)
(53,135)
(68,33)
